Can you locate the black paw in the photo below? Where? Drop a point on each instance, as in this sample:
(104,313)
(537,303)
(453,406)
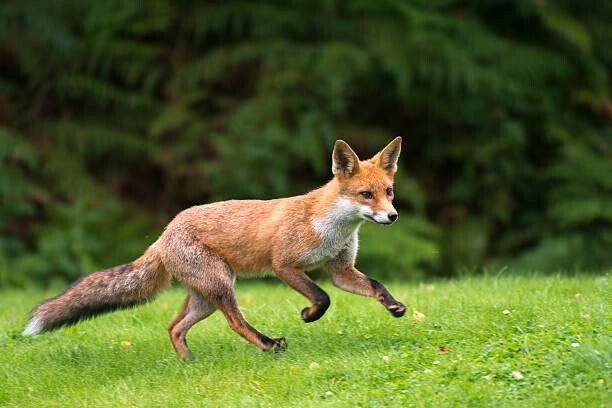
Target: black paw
(310,314)
(397,310)
(305,315)
(318,309)
(277,345)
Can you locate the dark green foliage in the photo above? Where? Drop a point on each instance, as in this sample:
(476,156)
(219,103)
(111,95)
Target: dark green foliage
(114,115)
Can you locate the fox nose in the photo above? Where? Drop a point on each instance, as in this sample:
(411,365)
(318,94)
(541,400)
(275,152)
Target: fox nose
(392,216)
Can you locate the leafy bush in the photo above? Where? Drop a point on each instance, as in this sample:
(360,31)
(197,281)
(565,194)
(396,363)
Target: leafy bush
(118,114)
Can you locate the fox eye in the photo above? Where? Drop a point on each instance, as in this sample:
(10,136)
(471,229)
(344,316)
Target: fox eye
(389,191)
(367,195)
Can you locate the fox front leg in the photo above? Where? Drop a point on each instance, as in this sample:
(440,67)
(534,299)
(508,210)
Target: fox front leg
(299,281)
(346,277)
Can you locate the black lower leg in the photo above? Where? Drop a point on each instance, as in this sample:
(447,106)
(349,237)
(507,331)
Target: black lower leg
(319,306)
(396,308)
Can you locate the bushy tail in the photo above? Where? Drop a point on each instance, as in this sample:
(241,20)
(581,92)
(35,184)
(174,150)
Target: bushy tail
(103,291)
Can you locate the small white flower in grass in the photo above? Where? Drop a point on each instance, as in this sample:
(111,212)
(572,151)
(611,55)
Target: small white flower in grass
(328,393)
(436,362)
(386,359)
(506,312)
(339,331)
(489,377)
(416,315)
(517,374)
(427,371)
(574,345)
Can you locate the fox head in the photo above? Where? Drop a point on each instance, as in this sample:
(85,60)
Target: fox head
(367,185)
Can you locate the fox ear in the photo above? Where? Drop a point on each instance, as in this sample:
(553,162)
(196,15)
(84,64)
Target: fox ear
(387,157)
(345,162)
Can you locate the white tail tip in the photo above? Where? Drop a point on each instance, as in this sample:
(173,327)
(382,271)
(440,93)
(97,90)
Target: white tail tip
(35,326)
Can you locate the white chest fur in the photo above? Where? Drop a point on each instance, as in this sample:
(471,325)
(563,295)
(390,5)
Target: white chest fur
(337,232)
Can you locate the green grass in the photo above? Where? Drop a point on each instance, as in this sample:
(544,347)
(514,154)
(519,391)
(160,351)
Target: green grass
(356,355)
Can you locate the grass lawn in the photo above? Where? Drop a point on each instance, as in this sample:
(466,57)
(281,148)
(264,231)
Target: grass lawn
(488,341)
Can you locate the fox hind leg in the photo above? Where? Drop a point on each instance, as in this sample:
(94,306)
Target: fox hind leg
(211,277)
(181,314)
(195,309)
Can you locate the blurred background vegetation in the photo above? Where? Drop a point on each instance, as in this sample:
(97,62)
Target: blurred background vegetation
(115,115)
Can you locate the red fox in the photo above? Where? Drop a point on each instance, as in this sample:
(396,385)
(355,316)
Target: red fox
(205,247)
